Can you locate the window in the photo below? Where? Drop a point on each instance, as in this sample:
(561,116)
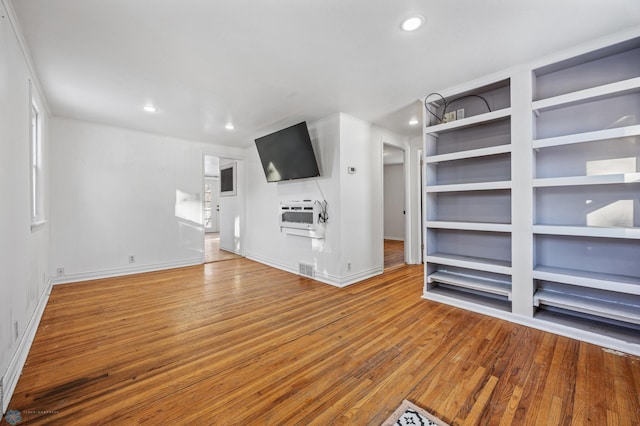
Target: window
(37,207)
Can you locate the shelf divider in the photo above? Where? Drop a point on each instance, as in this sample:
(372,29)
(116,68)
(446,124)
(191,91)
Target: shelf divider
(588,231)
(598,135)
(588,180)
(597,280)
(469,121)
(470,226)
(625,311)
(481,264)
(593,93)
(501,288)
(475,186)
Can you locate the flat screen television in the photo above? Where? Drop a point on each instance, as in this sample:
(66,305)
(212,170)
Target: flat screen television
(288,154)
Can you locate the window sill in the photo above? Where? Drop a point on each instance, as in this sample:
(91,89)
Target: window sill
(38,224)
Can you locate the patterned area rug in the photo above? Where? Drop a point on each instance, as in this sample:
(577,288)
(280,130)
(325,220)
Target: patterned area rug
(410,414)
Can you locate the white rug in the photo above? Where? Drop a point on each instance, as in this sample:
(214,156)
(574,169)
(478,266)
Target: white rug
(409,414)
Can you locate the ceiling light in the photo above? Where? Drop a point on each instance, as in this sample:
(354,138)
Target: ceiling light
(413,121)
(413,23)
(149,108)
(229,126)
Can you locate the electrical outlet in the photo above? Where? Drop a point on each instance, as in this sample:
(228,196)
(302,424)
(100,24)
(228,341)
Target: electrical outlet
(460,114)
(450,116)
(132,258)
(60,272)
(16,330)
(348,266)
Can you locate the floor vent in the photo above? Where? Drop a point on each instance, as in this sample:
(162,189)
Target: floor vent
(306,270)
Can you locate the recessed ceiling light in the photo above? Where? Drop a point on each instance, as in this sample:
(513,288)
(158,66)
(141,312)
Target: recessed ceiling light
(149,108)
(413,23)
(229,126)
(413,121)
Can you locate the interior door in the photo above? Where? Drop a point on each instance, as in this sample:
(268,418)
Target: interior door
(212,204)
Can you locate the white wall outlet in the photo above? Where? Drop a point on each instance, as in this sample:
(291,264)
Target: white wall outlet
(460,114)
(450,116)
(348,266)
(60,272)
(16,329)
(132,258)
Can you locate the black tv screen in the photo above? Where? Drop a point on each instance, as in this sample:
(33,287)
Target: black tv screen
(288,154)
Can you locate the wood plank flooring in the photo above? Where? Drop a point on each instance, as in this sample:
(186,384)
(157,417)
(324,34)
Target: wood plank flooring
(237,342)
(212,251)
(393,253)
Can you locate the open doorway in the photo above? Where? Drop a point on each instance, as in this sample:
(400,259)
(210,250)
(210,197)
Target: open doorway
(211,212)
(394,196)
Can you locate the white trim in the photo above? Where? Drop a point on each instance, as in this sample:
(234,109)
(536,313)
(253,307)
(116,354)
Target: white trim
(325,278)
(117,272)
(19,358)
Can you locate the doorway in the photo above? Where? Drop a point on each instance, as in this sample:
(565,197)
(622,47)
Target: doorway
(394,201)
(211,212)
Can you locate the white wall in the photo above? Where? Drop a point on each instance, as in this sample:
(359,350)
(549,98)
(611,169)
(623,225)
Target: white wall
(351,248)
(264,241)
(24,253)
(394,205)
(362,243)
(118,192)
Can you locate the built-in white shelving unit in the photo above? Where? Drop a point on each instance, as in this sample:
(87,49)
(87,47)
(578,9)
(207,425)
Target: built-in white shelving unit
(586,187)
(533,208)
(468,191)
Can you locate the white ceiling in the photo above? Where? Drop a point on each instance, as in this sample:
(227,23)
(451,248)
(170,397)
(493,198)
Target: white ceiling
(266,64)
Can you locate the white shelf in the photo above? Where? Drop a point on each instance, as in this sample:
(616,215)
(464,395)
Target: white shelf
(588,231)
(480,264)
(472,153)
(588,180)
(469,121)
(469,226)
(618,283)
(476,186)
(626,310)
(599,135)
(501,288)
(607,90)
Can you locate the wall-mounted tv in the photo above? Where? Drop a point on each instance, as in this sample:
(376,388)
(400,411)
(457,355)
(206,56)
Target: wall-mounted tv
(288,154)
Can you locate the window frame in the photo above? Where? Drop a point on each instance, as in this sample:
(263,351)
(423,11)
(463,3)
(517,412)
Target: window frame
(36,163)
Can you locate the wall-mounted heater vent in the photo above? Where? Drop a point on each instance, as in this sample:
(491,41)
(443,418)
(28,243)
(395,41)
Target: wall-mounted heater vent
(306,270)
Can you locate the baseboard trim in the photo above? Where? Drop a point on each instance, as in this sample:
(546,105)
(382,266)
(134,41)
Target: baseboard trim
(539,324)
(16,364)
(331,279)
(118,272)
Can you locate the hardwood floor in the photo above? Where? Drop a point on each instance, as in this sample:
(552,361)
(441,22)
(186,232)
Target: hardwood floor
(237,342)
(393,253)
(212,251)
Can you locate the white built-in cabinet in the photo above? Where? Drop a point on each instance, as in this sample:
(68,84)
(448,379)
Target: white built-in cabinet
(532,208)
